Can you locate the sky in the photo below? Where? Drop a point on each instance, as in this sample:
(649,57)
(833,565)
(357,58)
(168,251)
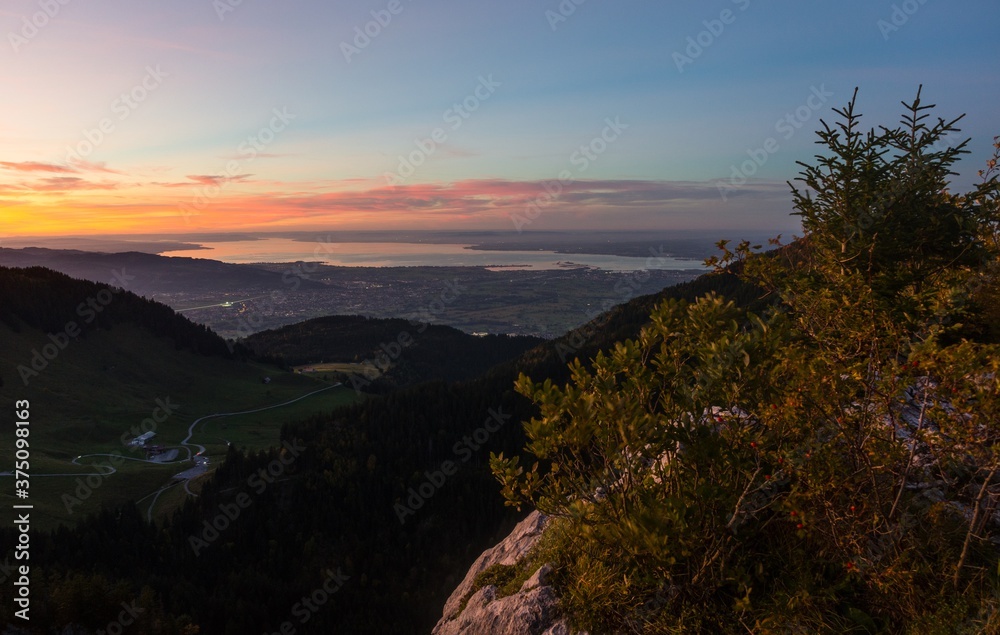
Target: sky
(145,116)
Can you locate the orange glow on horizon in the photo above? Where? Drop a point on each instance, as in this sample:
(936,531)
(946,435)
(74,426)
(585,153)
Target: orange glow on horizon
(203,204)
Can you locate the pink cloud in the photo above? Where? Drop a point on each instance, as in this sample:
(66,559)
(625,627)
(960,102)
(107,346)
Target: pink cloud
(205,179)
(209,179)
(36,166)
(488,196)
(69,183)
(259,155)
(90,166)
(473,203)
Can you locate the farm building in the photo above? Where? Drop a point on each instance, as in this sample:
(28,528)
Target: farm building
(140,441)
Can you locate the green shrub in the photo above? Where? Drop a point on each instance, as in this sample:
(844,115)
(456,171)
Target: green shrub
(730,472)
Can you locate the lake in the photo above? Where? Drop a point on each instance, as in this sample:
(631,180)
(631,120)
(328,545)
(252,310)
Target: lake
(361,254)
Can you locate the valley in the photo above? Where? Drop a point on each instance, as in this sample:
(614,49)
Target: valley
(237,300)
(500,318)
(137,384)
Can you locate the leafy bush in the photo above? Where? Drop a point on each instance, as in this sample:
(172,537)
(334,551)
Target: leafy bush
(830,465)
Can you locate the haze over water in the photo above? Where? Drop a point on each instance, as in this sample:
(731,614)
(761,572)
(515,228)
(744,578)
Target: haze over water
(367,254)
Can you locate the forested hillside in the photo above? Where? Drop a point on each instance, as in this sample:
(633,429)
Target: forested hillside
(828,465)
(403,352)
(805,440)
(150,274)
(43,299)
(351,500)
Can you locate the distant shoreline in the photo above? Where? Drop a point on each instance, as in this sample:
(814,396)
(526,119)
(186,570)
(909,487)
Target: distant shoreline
(688,244)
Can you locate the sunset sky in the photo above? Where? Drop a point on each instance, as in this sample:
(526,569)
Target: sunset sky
(192,115)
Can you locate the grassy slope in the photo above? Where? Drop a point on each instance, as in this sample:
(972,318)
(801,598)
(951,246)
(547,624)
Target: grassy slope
(101,387)
(411,352)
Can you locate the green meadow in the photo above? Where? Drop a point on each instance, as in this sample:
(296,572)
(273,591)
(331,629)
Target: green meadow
(102,390)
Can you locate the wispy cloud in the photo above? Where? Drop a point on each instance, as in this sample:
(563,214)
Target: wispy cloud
(497,197)
(211,179)
(74,167)
(162,44)
(70,183)
(455,152)
(205,180)
(92,166)
(363,203)
(259,155)
(36,166)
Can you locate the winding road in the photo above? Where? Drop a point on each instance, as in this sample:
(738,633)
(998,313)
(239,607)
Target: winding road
(245,412)
(200,467)
(185,476)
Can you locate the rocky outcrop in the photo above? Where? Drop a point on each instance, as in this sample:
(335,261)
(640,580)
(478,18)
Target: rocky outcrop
(533,610)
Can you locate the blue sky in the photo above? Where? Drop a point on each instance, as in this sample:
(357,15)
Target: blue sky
(557,72)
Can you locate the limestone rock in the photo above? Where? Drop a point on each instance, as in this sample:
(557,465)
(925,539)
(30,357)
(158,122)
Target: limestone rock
(533,610)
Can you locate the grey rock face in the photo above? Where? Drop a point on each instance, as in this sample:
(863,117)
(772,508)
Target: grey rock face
(533,610)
